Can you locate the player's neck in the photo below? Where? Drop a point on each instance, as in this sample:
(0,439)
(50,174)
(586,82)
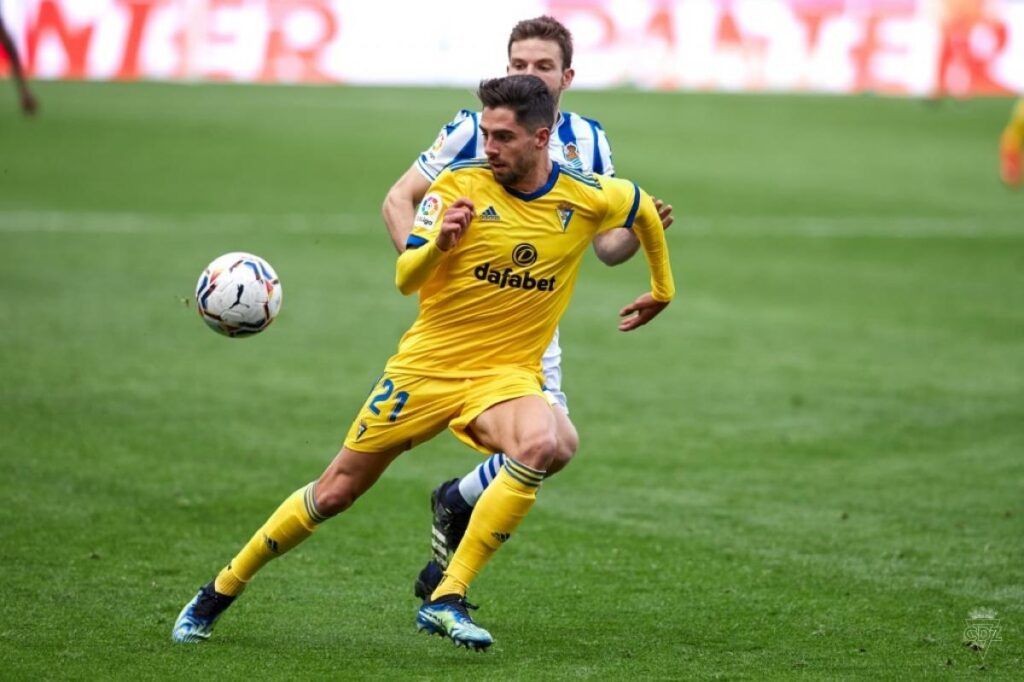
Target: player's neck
(536,178)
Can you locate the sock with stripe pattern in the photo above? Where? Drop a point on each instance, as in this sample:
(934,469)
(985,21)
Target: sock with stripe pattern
(498,513)
(294,521)
(472,485)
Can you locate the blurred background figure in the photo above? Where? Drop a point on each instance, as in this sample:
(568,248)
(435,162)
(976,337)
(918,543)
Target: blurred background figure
(29,103)
(1010,147)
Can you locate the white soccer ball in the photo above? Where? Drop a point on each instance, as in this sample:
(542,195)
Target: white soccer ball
(238,294)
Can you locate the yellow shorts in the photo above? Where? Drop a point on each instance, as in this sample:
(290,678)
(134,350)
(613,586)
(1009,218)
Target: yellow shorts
(406,409)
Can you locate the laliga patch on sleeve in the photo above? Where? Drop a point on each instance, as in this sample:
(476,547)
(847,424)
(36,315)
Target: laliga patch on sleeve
(429,212)
(438,145)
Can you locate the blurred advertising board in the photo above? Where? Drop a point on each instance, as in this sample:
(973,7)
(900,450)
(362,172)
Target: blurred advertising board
(899,47)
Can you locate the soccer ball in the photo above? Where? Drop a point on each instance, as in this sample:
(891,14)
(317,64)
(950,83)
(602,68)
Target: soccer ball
(238,294)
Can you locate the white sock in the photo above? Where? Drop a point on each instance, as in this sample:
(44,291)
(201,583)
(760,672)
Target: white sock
(473,484)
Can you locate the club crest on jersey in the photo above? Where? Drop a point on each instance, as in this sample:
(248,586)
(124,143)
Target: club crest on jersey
(430,210)
(572,155)
(565,213)
(490,215)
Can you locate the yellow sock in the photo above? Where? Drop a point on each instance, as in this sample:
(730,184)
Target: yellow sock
(502,506)
(294,521)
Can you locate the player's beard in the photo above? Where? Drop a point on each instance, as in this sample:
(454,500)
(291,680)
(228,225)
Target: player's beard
(514,172)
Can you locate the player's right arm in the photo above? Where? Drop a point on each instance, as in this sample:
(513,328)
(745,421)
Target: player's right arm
(416,265)
(399,208)
(457,140)
(441,219)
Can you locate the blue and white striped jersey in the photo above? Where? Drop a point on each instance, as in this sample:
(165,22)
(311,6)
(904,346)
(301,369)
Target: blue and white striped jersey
(577,142)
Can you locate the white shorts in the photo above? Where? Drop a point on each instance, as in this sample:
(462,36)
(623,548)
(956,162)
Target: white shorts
(551,365)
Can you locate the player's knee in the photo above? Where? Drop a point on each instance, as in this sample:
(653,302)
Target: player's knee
(568,444)
(538,450)
(334,496)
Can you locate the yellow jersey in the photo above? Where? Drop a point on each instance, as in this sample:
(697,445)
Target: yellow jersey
(493,301)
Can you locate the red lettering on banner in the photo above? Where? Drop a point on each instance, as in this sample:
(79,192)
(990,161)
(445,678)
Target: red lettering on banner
(862,56)
(661,25)
(920,47)
(882,49)
(968,49)
(812,21)
(75,42)
(285,61)
(728,33)
(139,12)
(217,37)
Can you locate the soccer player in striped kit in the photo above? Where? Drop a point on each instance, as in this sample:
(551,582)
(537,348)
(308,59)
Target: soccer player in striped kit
(540,47)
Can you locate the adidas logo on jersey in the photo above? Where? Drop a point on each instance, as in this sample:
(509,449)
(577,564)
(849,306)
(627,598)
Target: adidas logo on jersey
(490,215)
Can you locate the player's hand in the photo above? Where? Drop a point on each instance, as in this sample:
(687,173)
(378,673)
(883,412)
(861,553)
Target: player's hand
(456,222)
(640,312)
(664,212)
(1009,167)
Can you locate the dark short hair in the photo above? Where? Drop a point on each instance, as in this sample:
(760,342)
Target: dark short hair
(544,28)
(527,96)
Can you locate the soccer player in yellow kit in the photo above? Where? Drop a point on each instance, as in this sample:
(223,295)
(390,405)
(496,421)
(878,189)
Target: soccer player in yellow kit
(494,254)
(1011,147)
(541,47)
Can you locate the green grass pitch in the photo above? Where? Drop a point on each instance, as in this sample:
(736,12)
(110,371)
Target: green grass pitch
(810,465)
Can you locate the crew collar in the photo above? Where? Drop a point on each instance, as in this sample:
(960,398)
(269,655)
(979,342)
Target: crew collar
(540,191)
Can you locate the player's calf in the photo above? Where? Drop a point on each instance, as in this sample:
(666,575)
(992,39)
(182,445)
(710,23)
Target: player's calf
(347,477)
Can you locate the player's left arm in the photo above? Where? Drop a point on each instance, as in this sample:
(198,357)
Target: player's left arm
(618,245)
(629,206)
